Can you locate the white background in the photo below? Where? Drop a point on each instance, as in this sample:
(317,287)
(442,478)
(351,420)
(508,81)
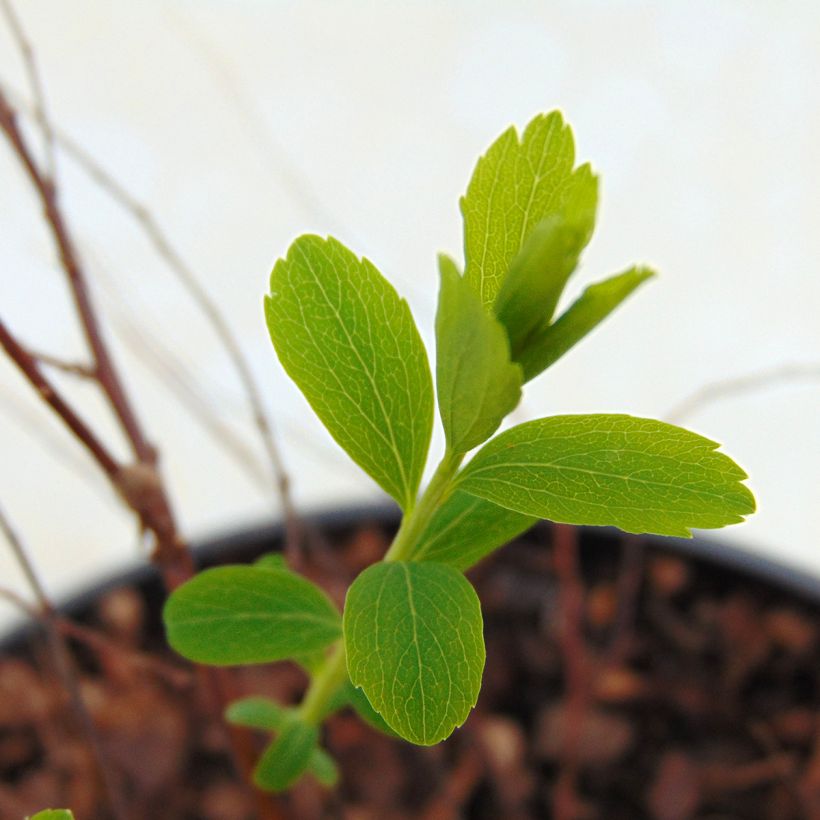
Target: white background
(243,124)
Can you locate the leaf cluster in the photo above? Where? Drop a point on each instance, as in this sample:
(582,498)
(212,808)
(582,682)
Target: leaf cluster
(407,653)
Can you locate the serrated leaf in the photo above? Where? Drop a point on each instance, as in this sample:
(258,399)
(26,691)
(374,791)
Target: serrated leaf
(257,712)
(593,306)
(515,185)
(467,528)
(477,384)
(362,707)
(287,758)
(349,342)
(639,475)
(53,814)
(240,614)
(413,636)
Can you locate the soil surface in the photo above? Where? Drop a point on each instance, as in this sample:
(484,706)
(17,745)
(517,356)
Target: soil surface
(639,684)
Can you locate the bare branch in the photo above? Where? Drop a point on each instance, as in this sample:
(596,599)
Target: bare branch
(84,371)
(728,388)
(28,366)
(106,373)
(46,615)
(185,274)
(37,90)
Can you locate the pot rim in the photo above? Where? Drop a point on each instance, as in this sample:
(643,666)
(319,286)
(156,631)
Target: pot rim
(236,539)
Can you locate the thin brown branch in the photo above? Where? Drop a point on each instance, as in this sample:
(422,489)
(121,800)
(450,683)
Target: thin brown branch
(106,372)
(141,484)
(729,388)
(163,363)
(36,83)
(84,371)
(46,616)
(185,274)
(29,367)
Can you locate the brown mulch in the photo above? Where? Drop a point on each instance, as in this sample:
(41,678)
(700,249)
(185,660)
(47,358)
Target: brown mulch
(699,697)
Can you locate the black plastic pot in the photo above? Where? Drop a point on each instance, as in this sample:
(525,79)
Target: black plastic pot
(243,545)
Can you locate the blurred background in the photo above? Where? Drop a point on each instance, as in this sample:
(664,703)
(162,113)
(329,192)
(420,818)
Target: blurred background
(240,124)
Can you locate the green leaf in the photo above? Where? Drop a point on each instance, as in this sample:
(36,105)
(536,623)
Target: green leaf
(363,708)
(413,635)
(257,712)
(530,293)
(477,384)
(323,767)
(465,529)
(287,758)
(637,474)
(53,814)
(265,714)
(593,306)
(240,614)
(516,185)
(349,342)
(273,561)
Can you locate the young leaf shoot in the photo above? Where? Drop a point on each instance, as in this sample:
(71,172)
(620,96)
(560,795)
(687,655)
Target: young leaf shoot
(407,653)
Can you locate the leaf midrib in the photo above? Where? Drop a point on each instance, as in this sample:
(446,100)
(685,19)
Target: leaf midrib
(366,370)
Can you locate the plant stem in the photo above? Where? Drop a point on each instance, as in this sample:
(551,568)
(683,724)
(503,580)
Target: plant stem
(326,682)
(324,685)
(413,524)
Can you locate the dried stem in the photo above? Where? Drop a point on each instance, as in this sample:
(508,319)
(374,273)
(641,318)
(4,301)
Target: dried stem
(186,276)
(46,615)
(29,367)
(140,484)
(84,371)
(35,81)
(727,388)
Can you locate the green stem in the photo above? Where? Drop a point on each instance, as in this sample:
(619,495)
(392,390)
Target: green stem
(324,685)
(326,682)
(413,525)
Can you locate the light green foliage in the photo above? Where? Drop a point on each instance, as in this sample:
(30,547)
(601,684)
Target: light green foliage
(267,715)
(53,814)
(547,345)
(465,528)
(287,758)
(323,767)
(477,384)
(413,635)
(361,705)
(238,615)
(349,342)
(408,653)
(259,713)
(273,561)
(530,292)
(515,185)
(637,474)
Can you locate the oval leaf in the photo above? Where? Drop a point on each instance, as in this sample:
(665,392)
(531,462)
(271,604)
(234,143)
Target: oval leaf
(637,474)
(287,758)
(477,384)
(237,615)
(349,342)
(413,635)
(467,528)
